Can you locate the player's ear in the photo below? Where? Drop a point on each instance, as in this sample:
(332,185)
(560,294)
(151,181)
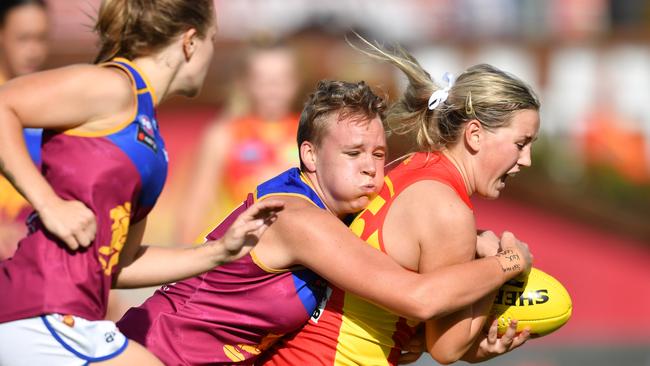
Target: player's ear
(473,134)
(189,38)
(308,156)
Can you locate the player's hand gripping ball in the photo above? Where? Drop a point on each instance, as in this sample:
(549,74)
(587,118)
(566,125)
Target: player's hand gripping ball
(537,301)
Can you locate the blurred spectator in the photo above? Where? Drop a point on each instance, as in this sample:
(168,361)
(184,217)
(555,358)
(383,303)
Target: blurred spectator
(253,141)
(23,50)
(608,141)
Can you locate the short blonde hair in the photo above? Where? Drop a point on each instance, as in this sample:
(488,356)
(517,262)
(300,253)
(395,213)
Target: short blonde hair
(346,99)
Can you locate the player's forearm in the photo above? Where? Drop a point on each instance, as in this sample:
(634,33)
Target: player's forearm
(450,337)
(480,310)
(158,265)
(451,288)
(16,164)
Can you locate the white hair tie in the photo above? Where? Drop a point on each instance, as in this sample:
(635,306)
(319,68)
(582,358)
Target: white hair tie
(440,95)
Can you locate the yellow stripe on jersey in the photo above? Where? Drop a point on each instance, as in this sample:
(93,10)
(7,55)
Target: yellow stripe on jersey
(263,266)
(285,194)
(389,184)
(154,97)
(111,130)
(376,204)
(365,343)
(373,240)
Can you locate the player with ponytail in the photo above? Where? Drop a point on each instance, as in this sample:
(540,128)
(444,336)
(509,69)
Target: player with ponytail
(469,135)
(103,167)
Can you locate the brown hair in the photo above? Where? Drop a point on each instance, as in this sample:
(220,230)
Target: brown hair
(133,28)
(8,5)
(345,98)
(483,92)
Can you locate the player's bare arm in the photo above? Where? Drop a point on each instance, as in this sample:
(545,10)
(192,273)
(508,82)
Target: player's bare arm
(138,263)
(444,228)
(318,240)
(64,99)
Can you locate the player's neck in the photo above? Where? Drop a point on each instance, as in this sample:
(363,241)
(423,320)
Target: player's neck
(312,180)
(158,73)
(457,160)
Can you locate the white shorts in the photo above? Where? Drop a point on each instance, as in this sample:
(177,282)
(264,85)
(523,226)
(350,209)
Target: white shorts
(57,340)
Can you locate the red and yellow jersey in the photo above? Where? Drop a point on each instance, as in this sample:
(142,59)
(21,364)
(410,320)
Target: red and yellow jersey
(349,330)
(259,149)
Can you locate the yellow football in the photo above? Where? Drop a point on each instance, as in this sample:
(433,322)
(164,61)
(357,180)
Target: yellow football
(537,301)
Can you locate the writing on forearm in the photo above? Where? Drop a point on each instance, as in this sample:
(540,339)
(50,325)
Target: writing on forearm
(509,261)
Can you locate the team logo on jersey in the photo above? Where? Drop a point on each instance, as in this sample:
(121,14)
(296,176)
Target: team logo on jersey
(146,132)
(110,254)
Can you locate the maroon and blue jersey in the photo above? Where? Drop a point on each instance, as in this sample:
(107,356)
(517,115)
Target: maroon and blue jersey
(119,174)
(235,311)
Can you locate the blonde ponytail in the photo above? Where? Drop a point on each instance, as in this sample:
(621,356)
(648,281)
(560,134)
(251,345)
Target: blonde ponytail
(482,92)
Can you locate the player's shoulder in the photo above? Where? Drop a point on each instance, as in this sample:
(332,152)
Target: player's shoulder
(433,193)
(294,202)
(109,86)
(432,201)
(300,211)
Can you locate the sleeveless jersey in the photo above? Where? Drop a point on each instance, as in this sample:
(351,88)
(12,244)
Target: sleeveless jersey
(259,150)
(350,330)
(117,173)
(235,311)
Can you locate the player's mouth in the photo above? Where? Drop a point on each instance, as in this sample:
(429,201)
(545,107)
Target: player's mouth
(369,188)
(503,178)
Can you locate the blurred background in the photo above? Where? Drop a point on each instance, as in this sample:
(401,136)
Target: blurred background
(584,205)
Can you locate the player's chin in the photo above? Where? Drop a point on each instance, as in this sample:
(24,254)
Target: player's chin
(190,91)
(360,203)
(491,193)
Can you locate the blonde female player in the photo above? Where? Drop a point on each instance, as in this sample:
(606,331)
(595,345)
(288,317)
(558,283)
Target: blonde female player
(471,136)
(103,158)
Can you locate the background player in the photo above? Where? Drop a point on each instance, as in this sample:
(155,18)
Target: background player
(252,142)
(23,50)
(104,165)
